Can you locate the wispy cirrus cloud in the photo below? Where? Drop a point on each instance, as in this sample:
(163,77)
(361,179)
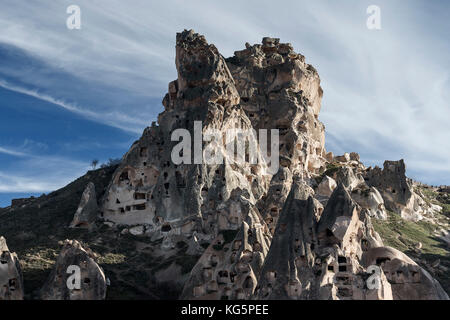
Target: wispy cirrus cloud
(35,173)
(386,92)
(26,184)
(11,152)
(115,119)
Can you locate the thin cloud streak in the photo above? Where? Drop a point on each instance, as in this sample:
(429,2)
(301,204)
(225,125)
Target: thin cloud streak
(12,152)
(37,173)
(386,92)
(113,119)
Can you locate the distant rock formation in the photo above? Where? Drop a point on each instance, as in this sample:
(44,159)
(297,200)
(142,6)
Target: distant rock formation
(11,283)
(300,232)
(87,211)
(408,280)
(397,190)
(75,276)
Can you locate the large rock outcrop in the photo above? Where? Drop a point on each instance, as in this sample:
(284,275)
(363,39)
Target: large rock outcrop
(87,211)
(397,190)
(149,189)
(293,226)
(230,266)
(408,280)
(11,283)
(317,255)
(278,89)
(75,276)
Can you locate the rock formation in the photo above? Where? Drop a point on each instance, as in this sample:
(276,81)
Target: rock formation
(11,285)
(326,187)
(300,230)
(316,255)
(397,190)
(87,211)
(408,280)
(75,276)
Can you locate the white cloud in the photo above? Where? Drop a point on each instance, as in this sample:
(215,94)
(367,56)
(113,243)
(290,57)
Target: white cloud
(37,173)
(386,92)
(21,184)
(115,119)
(11,152)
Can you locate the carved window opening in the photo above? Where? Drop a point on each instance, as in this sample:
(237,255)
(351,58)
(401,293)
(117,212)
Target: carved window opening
(381,260)
(223,274)
(166,228)
(124,176)
(232,276)
(139,196)
(166,186)
(139,207)
(143,152)
(181,182)
(3,259)
(345,292)
(12,284)
(248,283)
(214,260)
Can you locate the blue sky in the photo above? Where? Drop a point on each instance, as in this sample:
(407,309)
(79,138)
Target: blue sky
(68,96)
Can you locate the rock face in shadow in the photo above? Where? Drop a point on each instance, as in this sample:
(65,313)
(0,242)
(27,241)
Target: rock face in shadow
(408,280)
(317,255)
(170,199)
(397,190)
(75,276)
(229,268)
(268,234)
(165,200)
(11,283)
(87,211)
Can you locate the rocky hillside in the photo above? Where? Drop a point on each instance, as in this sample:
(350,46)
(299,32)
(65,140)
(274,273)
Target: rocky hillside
(305,224)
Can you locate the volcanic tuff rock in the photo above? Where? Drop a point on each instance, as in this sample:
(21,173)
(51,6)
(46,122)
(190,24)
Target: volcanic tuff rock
(87,211)
(397,190)
(11,285)
(275,89)
(92,278)
(286,234)
(408,280)
(238,229)
(316,255)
